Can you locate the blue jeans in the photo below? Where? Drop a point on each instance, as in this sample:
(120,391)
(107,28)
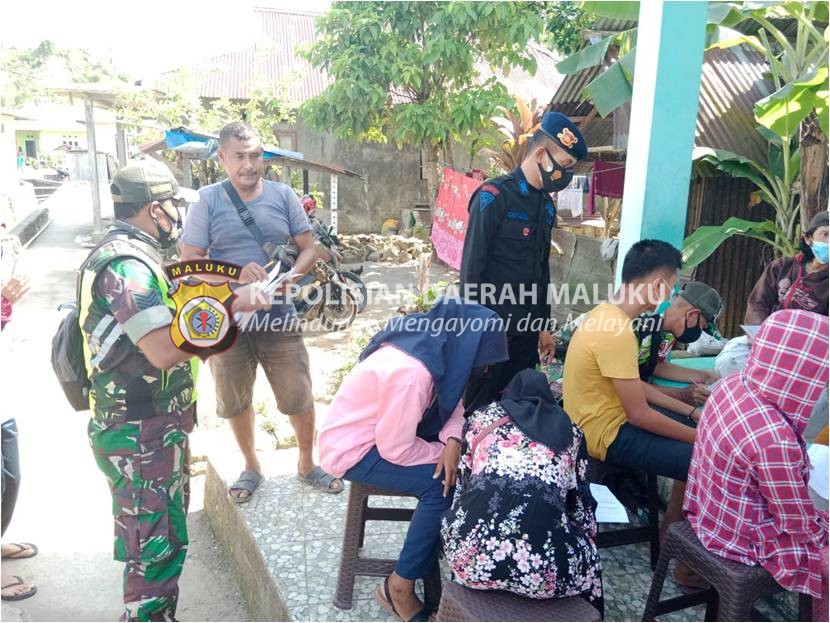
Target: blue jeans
(636,448)
(420,549)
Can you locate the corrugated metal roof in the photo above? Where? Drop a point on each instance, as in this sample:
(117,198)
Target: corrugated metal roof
(275,63)
(731,82)
(568,99)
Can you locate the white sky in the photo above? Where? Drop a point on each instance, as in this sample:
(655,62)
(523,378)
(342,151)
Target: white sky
(141,37)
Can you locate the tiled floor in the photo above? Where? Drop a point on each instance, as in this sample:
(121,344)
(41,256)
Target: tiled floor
(299,531)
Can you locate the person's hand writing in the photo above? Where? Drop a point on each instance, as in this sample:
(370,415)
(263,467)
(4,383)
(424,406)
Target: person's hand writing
(695,394)
(252,272)
(250,298)
(448,464)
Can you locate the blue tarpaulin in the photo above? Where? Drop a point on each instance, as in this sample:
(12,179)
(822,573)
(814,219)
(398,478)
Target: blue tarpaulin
(204,146)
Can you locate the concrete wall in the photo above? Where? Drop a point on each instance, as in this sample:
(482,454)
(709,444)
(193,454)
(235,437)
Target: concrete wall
(580,263)
(392,179)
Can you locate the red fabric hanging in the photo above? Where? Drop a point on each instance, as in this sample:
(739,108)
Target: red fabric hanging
(607,180)
(449,223)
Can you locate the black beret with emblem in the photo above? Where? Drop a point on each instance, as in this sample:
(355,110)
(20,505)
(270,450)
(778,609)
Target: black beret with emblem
(564,133)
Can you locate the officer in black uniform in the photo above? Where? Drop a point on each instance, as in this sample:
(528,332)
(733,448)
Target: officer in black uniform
(507,248)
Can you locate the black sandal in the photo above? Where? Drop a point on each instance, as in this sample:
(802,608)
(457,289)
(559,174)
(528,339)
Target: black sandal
(24,550)
(385,600)
(19,596)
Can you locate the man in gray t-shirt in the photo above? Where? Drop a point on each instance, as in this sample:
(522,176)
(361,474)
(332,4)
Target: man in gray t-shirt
(214,229)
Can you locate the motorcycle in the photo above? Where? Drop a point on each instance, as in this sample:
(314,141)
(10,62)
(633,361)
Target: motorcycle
(325,293)
(326,237)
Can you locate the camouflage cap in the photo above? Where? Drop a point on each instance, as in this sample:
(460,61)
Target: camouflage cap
(143,181)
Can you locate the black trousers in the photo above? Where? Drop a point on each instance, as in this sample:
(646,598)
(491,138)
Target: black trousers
(11,470)
(484,388)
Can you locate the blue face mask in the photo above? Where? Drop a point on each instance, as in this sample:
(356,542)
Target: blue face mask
(820,250)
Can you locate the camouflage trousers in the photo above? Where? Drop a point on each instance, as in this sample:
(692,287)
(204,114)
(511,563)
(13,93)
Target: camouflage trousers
(146,466)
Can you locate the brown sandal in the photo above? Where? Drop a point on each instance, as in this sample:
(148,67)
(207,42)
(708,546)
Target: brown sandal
(384,598)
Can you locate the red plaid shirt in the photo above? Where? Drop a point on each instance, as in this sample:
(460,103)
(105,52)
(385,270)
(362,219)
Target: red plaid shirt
(746,496)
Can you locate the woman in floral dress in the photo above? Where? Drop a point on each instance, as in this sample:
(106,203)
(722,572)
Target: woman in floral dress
(522,519)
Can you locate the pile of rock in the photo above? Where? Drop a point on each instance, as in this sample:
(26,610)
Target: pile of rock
(375,247)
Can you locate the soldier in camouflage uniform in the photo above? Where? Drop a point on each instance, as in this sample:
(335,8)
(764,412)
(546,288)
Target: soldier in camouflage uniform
(142,398)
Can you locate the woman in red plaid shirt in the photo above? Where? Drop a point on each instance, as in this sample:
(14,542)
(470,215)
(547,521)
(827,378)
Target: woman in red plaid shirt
(747,496)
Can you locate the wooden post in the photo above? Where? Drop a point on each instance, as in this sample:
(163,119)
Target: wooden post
(305,181)
(120,144)
(92,153)
(333,203)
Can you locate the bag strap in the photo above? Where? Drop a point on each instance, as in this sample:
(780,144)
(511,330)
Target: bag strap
(483,434)
(244,213)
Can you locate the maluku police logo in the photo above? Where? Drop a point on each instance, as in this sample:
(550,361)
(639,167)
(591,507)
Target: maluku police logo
(204,323)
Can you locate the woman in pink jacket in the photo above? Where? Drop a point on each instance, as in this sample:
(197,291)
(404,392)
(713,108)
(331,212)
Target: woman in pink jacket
(396,423)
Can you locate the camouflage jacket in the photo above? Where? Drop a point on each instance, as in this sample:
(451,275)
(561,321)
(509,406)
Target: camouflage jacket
(123,297)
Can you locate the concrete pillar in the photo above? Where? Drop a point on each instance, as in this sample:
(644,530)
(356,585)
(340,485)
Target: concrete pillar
(92,152)
(670,41)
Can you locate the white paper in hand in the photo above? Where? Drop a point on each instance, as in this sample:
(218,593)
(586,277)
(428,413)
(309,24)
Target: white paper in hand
(267,287)
(819,456)
(609,508)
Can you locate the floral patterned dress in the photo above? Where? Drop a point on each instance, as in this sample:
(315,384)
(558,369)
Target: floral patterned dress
(522,518)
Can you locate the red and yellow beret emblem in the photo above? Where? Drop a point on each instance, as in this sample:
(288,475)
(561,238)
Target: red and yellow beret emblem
(567,138)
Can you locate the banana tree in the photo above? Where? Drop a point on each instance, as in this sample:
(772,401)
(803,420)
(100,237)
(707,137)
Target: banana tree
(793,37)
(799,72)
(773,182)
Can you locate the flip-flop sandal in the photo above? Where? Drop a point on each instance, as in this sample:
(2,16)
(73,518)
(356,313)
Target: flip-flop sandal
(384,598)
(19,596)
(248,481)
(21,547)
(319,479)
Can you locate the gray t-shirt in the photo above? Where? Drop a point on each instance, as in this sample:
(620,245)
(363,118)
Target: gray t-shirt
(214,224)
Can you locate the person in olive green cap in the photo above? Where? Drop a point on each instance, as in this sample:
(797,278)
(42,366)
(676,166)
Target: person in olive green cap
(692,312)
(142,395)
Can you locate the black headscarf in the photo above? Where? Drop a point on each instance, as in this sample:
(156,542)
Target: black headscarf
(448,353)
(532,407)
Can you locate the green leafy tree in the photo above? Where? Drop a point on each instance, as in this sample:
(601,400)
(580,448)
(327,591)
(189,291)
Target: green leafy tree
(25,72)
(407,71)
(564,22)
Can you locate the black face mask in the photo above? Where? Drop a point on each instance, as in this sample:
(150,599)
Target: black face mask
(557,179)
(690,334)
(169,239)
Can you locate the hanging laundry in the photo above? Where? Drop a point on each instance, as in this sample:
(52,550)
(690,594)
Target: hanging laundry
(569,201)
(607,180)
